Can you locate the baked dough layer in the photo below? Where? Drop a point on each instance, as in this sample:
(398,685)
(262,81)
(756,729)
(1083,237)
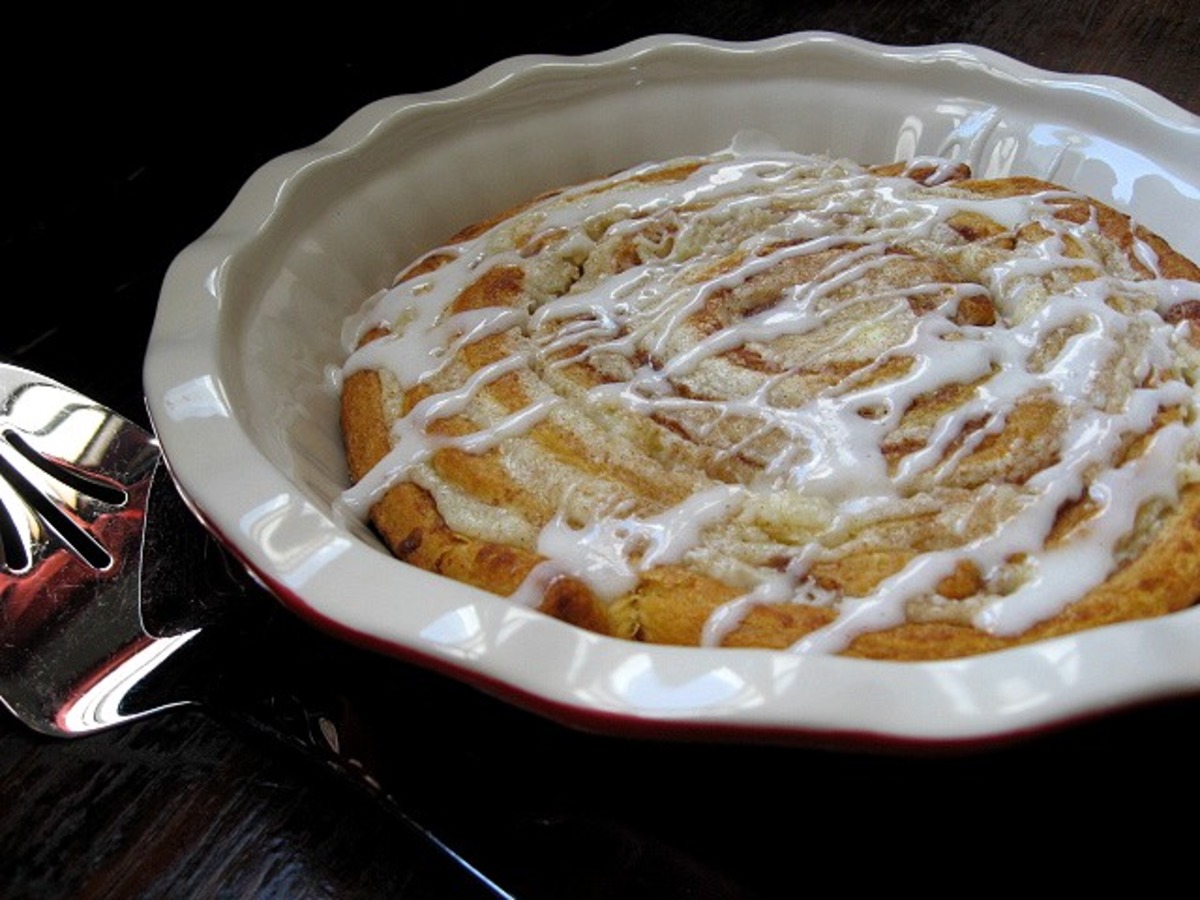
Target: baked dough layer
(787,401)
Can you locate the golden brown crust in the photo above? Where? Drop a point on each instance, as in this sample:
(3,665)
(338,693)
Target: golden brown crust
(1162,580)
(650,458)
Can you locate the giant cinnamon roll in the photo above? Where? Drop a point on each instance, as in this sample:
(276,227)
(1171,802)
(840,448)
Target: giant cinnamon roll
(775,400)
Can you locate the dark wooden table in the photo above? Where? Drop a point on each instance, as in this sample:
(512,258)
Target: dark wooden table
(111,170)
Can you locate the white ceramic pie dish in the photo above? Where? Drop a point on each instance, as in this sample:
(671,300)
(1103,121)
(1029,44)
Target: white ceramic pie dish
(238,371)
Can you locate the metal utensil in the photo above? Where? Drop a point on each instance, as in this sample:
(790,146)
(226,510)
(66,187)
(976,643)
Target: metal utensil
(76,481)
(106,586)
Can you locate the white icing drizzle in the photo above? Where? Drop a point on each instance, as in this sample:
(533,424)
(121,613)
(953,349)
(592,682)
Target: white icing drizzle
(831,445)
(608,554)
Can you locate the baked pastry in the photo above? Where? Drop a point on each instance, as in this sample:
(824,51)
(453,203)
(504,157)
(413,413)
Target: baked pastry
(777,400)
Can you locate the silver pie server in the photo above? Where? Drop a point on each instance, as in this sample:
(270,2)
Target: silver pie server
(106,585)
(76,482)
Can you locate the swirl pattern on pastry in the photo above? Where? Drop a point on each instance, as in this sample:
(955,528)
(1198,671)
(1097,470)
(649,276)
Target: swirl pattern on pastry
(777,400)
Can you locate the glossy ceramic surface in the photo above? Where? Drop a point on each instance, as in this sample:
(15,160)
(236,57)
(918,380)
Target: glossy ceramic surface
(240,373)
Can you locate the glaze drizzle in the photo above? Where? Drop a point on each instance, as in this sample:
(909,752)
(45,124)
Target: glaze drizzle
(768,324)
